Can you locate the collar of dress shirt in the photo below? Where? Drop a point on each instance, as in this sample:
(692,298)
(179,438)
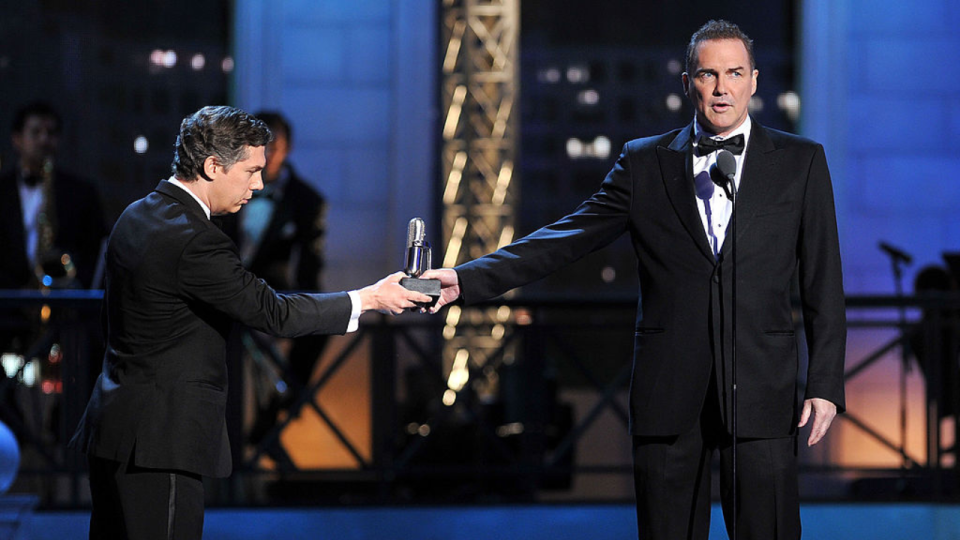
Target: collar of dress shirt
(173,180)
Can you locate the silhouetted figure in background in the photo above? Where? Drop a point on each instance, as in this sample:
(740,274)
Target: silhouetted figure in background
(45,212)
(945,323)
(51,230)
(280,236)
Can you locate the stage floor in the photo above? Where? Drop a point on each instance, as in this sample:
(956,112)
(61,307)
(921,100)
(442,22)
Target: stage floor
(540,522)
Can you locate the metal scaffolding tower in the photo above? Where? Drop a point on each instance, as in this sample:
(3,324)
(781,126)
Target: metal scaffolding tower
(480,85)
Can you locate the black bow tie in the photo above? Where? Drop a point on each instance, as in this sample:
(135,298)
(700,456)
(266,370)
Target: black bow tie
(32,180)
(733,144)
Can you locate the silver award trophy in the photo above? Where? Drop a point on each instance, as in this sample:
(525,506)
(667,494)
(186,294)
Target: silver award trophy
(418,261)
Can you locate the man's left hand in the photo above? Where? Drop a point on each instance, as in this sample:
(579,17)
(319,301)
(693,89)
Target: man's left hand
(823,414)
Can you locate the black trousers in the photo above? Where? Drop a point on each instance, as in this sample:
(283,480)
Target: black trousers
(134,503)
(672,481)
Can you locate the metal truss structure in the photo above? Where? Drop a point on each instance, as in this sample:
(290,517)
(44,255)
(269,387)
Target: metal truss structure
(479,87)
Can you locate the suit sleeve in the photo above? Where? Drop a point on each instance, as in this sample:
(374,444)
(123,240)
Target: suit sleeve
(821,287)
(210,273)
(597,222)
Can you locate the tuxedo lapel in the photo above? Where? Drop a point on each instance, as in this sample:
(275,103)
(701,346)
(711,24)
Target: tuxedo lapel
(11,219)
(676,166)
(754,192)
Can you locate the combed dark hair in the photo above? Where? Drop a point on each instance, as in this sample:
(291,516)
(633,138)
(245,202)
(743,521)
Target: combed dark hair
(219,131)
(277,123)
(36,108)
(717,30)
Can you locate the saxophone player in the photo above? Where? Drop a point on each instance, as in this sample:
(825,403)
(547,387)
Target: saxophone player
(51,228)
(46,212)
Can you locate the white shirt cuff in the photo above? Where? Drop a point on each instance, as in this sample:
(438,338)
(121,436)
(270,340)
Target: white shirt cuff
(354,311)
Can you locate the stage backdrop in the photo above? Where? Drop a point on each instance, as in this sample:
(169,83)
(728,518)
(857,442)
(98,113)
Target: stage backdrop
(357,78)
(881,94)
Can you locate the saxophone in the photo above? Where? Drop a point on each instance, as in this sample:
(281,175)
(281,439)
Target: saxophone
(54,269)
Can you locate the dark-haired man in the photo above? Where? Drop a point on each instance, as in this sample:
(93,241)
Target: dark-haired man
(46,212)
(660,192)
(174,284)
(51,230)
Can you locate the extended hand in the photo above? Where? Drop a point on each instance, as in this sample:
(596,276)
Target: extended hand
(387,296)
(823,414)
(449,286)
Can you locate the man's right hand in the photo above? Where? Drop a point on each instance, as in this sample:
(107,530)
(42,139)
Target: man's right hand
(449,286)
(387,296)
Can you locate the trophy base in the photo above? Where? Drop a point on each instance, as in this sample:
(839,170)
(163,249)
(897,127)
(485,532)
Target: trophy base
(429,287)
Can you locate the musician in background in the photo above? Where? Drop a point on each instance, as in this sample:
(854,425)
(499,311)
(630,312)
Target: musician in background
(939,361)
(45,212)
(51,229)
(280,235)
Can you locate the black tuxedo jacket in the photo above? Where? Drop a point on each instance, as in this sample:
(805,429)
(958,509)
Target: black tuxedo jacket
(174,286)
(786,227)
(81,228)
(294,236)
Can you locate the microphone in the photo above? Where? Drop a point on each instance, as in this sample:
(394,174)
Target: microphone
(418,260)
(896,254)
(727,168)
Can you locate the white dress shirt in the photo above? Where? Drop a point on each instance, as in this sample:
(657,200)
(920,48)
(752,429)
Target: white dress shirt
(31,202)
(714,205)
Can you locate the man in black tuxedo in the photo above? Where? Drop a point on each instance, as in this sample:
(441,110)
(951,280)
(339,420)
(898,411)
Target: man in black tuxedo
(660,192)
(51,230)
(174,285)
(280,236)
(37,193)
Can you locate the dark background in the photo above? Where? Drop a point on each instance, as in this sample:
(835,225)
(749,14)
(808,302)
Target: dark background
(91,60)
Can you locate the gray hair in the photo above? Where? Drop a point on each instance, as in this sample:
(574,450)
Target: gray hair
(714,30)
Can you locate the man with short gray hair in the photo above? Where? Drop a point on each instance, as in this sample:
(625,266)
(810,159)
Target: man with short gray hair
(670,195)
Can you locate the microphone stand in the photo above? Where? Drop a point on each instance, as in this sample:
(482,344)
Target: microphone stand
(733,352)
(898,258)
(726,166)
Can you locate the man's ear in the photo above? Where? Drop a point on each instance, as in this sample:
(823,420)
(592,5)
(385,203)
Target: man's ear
(685,79)
(210,168)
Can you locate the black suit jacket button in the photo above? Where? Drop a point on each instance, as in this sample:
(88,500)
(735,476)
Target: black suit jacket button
(716,278)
